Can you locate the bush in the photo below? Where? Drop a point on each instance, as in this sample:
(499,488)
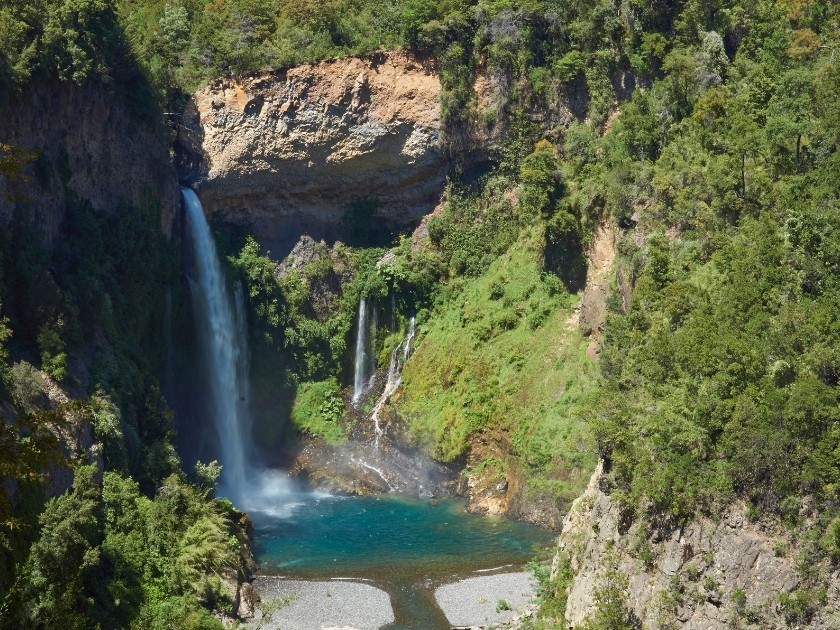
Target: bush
(317,410)
(28,387)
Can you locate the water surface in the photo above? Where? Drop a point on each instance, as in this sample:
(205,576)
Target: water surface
(406,546)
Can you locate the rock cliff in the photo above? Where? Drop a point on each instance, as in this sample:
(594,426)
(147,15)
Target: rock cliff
(82,139)
(730,572)
(317,148)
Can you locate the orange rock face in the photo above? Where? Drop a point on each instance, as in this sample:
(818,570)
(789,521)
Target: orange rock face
(290,152)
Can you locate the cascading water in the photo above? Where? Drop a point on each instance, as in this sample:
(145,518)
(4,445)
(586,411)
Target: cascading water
(399,356)
(360,358)
(223,339)
(412,329)
(243,364)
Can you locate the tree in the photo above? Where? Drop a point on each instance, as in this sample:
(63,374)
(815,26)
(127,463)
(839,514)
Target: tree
(611,612)
(790,113)
(57,586)
(174,40)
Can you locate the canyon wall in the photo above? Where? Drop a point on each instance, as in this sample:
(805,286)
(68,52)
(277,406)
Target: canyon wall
(318,148)
(85,140)
(728,572)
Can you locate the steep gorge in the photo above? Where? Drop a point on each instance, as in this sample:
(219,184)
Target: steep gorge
(732,570)
(596,294)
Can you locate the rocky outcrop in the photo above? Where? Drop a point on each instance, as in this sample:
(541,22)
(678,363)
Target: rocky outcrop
(83,140)
(238,580)
(501,487)
(64,433)
(707,574)
(359,468)
(318,148)
(600,261)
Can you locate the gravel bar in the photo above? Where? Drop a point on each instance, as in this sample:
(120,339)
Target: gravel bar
(319,605)
(474,601)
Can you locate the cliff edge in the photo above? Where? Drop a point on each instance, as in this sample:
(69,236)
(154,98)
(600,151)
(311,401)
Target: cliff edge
(317,147)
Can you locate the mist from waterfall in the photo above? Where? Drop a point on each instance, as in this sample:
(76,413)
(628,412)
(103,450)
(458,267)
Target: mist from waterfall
(399,356)
(224,344)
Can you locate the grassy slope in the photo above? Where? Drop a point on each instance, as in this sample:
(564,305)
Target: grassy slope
(503,356)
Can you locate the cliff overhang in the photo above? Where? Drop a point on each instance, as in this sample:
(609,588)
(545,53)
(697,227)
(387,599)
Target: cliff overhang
(318,148)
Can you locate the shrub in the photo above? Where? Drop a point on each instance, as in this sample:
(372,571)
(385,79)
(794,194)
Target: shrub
(28,386)
(317,410)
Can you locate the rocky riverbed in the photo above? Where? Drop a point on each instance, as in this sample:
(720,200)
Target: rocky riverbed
(472,602)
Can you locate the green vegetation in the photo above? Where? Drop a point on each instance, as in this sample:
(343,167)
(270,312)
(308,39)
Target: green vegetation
(294,316)
(707,133)
(719,375)
(719,378)
(487,364)
(552,592)
(135,547)
(610,600)
(302,325)
(107,554)
(318,409)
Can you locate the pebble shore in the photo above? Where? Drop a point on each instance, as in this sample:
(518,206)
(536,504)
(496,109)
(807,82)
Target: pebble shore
(473,602)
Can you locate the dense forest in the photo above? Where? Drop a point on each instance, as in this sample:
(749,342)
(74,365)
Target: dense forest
(705,131)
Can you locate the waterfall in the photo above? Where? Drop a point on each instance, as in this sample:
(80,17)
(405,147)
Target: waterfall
(399,356)
(223,340)
(243,364)
(408,339)
(359,364)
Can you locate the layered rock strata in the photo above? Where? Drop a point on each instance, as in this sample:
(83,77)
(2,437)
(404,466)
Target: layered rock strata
(346,144)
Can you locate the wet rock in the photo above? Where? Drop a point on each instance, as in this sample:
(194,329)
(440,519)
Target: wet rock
(360,468)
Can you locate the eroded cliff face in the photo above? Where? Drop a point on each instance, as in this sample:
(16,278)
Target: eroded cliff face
(730,572)
(86,141)
(294,152)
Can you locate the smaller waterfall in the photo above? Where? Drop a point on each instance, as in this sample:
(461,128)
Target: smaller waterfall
(360,358)
(408,339)
(399,356)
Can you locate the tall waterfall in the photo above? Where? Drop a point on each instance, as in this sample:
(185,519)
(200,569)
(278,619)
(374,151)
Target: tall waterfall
(399,356)
(223,340)
(359,359)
